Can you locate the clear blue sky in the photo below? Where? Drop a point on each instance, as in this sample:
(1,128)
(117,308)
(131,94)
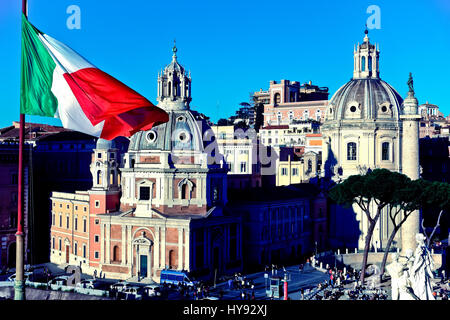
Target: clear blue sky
(236,47)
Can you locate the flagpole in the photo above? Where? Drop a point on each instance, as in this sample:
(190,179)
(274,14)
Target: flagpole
(19,286)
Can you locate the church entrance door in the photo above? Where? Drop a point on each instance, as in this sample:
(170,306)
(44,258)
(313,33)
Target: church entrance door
(143,266)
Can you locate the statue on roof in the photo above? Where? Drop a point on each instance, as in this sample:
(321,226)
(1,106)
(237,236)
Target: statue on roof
(410,83)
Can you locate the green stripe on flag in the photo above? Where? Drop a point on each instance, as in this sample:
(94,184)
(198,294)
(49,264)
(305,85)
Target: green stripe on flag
(36,97)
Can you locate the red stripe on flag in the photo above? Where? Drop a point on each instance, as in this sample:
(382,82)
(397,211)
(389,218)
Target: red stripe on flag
(130,122)
(102,97)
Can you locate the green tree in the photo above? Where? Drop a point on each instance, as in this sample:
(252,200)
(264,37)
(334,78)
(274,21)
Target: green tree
(377,187)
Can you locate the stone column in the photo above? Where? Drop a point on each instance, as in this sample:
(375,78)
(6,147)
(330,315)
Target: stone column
(163,247)
(156,248)
(410,164)
(187,244)
(102,243)
(180,249)
(124,244)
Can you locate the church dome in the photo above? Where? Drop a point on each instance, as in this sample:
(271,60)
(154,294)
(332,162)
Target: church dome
(183,131)
(369,98)
(103,144)
(365,96)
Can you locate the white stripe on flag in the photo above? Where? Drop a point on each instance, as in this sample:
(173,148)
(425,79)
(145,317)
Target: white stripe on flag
(69,110)
(69,60)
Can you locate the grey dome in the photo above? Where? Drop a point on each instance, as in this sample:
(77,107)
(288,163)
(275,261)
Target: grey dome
(105,144)
(183,131)
(370,98)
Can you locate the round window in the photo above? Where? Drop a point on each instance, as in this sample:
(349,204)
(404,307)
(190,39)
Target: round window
(181,119)
(352,108)
(183,136)
(383,108)
(151,136)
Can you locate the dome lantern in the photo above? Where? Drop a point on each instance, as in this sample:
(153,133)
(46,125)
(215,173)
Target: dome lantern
(366,60)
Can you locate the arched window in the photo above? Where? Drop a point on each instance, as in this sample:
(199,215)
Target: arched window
(276,98)
(309,165)
(169,88)
(351,151)
(184,191)
(60,244)
(363,64)
(171,259)
(75,248)
(99,177)
(116,254)
(112,177)
(53,243)
(385,151)
(370,63)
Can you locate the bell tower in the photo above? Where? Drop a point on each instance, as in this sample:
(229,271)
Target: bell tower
(105,166)
(366,60)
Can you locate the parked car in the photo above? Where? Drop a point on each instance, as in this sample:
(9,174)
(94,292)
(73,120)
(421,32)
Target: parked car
(131,293)
(88,284)
(119,286)
(152,290)
(26,276)
(210,298)
(59,280)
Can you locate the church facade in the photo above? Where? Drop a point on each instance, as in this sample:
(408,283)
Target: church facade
(369,125)
(160,205)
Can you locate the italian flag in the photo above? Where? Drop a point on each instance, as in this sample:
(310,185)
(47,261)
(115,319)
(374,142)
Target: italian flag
(58,82)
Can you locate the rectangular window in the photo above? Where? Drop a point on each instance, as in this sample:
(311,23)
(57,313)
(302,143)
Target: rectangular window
(144,193)
(97,204)
(14,178)
(96,238)
(243,167)
(84,251)
(385,151)
(351,151)
(97,221)
(76,223)
(294,171)
(84,225)
(284,171)
(96,255)
(67,222)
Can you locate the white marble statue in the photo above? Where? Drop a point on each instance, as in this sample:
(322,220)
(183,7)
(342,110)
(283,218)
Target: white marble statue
(395,270)
(404,287)
(421,270)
